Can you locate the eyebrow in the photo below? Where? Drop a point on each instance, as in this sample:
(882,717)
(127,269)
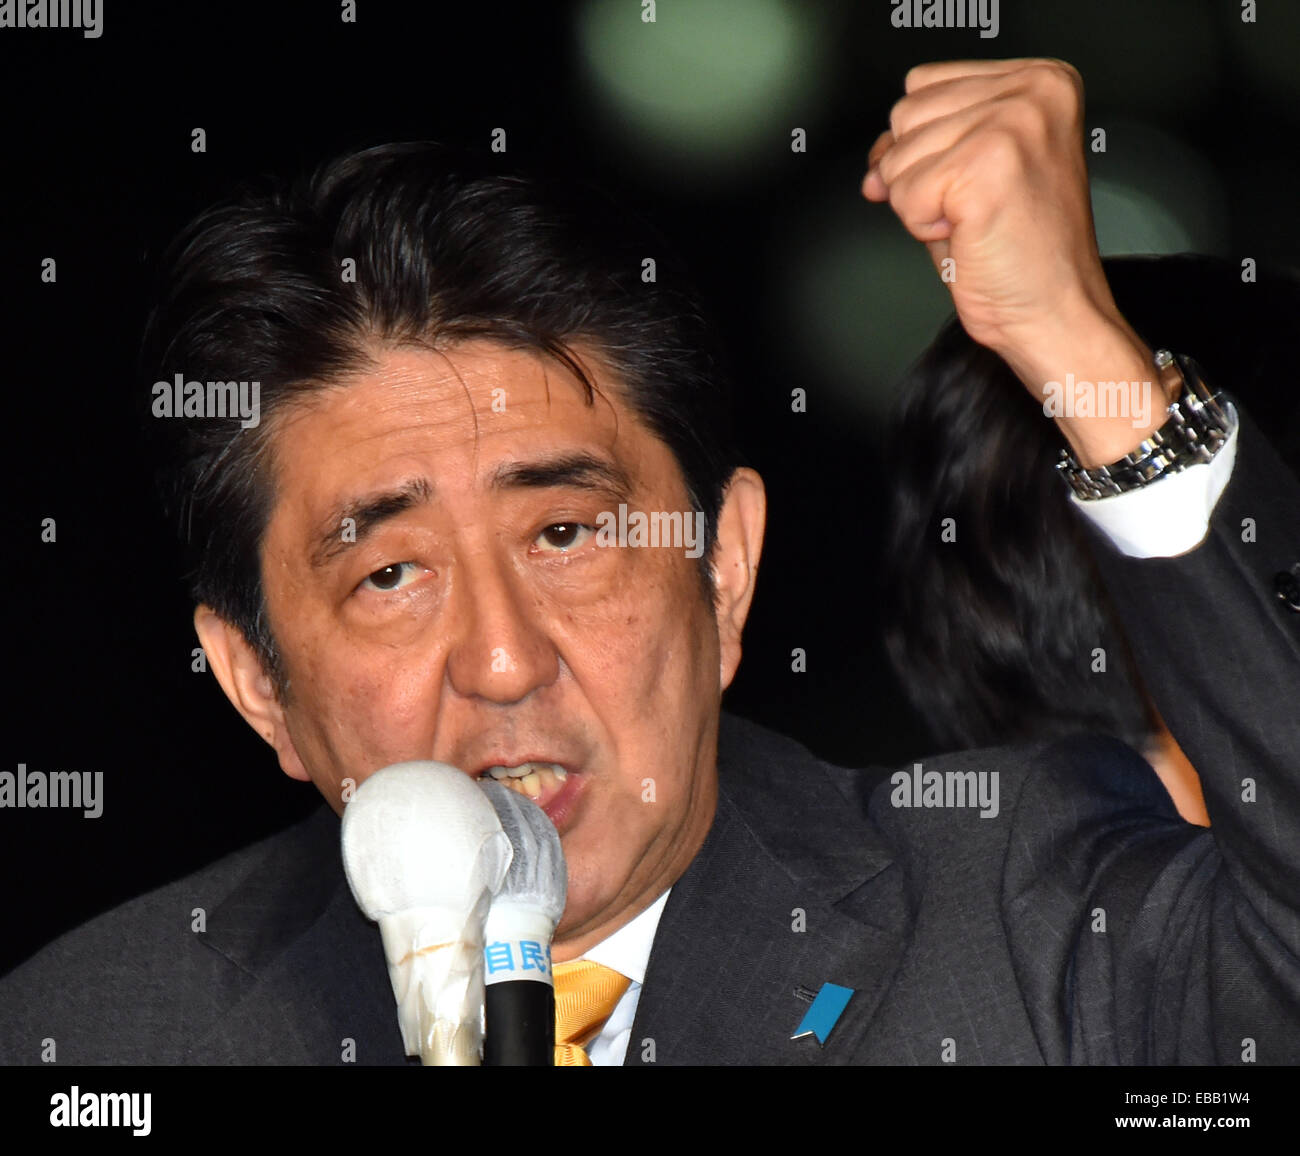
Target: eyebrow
(582,471)
(367,513)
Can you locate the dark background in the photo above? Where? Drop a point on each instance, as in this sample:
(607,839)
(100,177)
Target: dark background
(813,288)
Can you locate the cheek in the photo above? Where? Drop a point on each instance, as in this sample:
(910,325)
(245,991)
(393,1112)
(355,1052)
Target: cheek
(653,679)
(356,711)
(604,851)
(649,638)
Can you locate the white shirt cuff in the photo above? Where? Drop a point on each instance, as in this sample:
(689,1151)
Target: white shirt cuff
(1170,516)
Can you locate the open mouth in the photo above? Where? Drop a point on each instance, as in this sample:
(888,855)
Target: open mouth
(553,787)
(531,779)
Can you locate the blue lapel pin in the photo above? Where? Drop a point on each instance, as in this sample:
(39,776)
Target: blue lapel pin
(827,1006)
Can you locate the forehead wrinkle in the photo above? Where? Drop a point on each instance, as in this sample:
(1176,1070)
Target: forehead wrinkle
(469,399)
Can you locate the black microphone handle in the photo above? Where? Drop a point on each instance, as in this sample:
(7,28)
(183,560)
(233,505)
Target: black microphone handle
(520,1018)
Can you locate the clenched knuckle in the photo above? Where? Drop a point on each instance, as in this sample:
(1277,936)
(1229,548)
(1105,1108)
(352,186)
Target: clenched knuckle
(1027,120)
(898,117)
(898,198)
(1062,80)
(915,76)
(1072,73)
(903,200)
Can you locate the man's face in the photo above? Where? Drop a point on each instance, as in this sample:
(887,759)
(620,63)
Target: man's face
(475,620)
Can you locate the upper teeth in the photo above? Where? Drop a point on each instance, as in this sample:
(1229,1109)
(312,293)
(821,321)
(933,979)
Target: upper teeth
(526,769)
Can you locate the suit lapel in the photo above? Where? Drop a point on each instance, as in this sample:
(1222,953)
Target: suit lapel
(311,973)
(790,847)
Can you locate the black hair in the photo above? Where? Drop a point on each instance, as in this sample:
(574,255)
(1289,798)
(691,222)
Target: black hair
(446,249)
(992,633)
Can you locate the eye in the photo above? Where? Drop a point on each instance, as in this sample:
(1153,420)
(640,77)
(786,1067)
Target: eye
(562,536)
(391,577)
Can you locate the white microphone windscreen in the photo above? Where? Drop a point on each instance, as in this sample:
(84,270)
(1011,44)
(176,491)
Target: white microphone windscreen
(424,854)
(421,834)
(538,876)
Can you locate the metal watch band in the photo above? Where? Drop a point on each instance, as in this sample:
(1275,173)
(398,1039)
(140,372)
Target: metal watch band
(1195,431)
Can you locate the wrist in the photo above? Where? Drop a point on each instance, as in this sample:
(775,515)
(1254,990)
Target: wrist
(1097,380)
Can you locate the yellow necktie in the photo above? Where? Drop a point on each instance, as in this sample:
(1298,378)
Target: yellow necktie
(586,994)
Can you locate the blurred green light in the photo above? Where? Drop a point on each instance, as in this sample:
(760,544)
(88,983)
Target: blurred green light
(1152,193)
(709,81)
(1129,221)
(862,300)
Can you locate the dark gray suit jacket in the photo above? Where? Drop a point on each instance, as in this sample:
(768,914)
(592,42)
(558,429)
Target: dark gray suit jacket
(1085,923)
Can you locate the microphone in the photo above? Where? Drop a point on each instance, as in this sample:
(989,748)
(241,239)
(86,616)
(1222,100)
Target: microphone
(519,1004)
(424,853)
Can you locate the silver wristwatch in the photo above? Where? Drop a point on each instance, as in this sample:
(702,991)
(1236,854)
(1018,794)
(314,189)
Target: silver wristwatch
(1197,427)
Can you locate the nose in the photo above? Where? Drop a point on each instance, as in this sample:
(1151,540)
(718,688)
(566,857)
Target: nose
(499,649)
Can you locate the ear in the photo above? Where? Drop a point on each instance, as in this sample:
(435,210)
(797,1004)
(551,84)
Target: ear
(741,522)
(247,685)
